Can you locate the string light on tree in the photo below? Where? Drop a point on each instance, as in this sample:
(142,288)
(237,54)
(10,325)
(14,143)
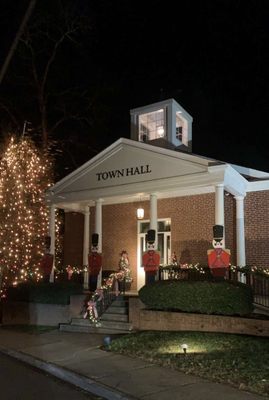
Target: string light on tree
(24,177)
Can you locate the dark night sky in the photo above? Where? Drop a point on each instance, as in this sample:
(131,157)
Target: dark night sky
(211,56)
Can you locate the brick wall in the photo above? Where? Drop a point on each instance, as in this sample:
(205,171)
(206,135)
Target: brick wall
(73,239)
(192,220)
(143,319)
(257,228)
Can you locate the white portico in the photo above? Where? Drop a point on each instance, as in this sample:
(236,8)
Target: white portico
(129,170)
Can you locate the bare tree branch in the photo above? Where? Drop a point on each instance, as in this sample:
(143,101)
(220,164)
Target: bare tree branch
(17,38)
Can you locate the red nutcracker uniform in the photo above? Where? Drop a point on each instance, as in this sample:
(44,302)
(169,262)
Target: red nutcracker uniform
(218,261)
(151,261)
(95,263)
(218,258)
(46,265)
(151,258)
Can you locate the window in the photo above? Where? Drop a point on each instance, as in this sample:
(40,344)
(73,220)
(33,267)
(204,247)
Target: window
(179,133)
(181,128)
(143,133)
(152,125)
(163,226)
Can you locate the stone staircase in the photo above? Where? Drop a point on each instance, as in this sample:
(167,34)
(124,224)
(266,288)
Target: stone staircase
(113,321)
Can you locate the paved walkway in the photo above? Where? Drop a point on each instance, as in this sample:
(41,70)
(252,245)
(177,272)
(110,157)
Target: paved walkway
(78,359)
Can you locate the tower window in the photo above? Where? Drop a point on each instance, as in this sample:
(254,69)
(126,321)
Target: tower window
(179,133)
(152,125)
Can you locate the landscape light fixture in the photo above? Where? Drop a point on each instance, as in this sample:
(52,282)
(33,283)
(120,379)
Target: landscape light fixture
(184,347)
(107,341)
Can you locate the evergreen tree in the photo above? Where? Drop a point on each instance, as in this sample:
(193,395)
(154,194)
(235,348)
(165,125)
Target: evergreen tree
(24,177)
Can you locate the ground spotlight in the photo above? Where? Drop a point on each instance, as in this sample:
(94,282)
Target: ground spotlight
(184,347)
(107,341)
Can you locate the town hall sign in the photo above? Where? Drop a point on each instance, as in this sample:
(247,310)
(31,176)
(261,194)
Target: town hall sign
(119,173)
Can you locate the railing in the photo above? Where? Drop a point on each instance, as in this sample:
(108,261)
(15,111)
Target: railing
(187,274)
(259,282)
(260,287)
(104,300)
(105,296)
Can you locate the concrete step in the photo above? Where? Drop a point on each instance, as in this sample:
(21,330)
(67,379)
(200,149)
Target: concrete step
(109,316)
(103,326)
(91,329)
(113,320)
(113,324)
(116,325)
(120,302)
(116,310)
(80,321)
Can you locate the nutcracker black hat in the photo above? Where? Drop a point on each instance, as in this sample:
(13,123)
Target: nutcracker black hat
(218,232)
(151,236)
(95,238)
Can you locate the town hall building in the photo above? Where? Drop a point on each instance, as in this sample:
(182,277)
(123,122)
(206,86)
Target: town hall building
(179,194)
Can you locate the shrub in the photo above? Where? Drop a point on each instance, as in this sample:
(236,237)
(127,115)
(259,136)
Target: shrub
(46,293)
(224,298)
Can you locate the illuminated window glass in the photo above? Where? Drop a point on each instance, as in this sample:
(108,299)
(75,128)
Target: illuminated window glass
(163,226)
(179,127)
(179,133)
(152,126)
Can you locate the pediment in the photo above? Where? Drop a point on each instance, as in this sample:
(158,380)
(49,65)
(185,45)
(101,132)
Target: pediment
(127,162)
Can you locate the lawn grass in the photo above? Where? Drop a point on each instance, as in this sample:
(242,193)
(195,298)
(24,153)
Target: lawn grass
(241,361)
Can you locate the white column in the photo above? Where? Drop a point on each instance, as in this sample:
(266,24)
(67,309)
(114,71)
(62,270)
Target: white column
(86,245)
(98,222)
(52,238)
(219,204)
(154,216)
(98,229)
(240,232)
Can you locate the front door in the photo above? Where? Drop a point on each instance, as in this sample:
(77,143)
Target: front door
(164,246)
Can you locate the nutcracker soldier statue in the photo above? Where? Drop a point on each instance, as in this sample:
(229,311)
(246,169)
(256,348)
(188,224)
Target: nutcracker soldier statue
(151,258)
(46,264)
(94,263)
(218,258)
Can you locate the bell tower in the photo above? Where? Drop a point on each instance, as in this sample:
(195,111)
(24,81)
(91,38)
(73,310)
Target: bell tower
(164,124)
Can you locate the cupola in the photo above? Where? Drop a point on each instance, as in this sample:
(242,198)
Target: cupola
(165,124)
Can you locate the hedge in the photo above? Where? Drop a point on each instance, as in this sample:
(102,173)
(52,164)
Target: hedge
(223,298)
(46,293)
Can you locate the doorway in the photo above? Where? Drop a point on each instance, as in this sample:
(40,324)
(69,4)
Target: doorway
(164,245)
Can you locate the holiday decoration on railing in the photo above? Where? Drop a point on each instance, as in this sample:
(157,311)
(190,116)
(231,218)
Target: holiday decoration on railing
(174,259)
(76,270)
(91,310)
(260,270)
(69,271)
